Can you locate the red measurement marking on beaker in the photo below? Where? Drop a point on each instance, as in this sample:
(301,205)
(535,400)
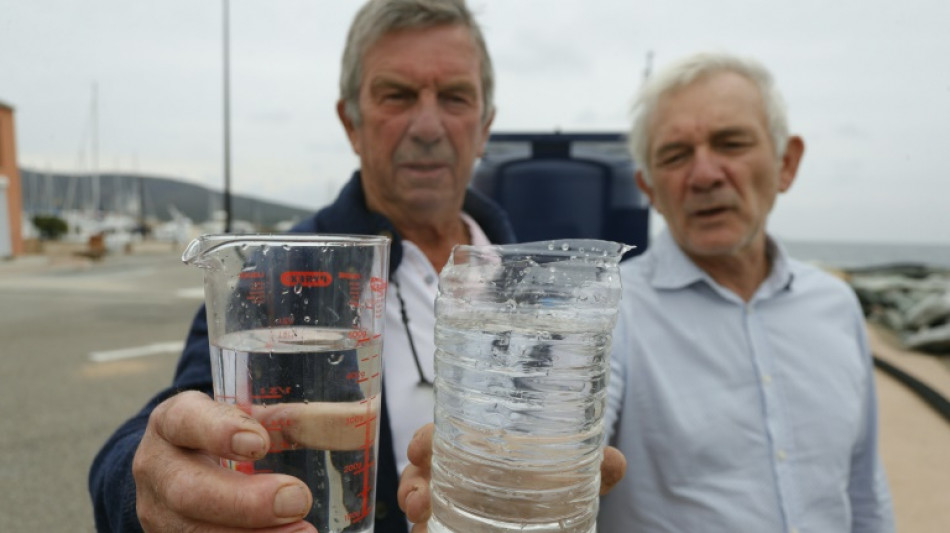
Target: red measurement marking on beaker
(357,468)
(355,420)
(361,336)
(271,393)
(295,278)
(278,424)
(256,293)
(354,280)
(378,286)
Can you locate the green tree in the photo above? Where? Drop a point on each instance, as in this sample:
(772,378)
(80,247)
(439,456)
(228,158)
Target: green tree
(50,227)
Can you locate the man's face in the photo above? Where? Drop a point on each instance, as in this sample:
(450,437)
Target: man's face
(422,124)
(715,174)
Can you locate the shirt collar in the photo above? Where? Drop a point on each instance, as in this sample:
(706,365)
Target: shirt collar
(672,269)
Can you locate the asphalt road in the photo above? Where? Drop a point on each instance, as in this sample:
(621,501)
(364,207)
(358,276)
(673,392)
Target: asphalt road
(58,316)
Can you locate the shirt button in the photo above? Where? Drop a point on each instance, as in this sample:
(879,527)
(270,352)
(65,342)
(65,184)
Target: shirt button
(766,379)
(781,455)
(793,530)
(430,279)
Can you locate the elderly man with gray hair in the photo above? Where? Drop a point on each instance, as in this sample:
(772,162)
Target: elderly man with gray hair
(742,389)
(416,105)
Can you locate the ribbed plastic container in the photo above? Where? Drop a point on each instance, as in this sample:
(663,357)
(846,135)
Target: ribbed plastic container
(522,343)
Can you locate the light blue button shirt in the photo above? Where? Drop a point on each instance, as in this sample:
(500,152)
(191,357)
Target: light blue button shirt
(742,417)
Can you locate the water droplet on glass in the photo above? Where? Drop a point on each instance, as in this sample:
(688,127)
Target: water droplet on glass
(565,246)
(298,288)
(306,319)
(335,358)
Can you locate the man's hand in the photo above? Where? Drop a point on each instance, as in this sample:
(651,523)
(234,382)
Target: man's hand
(413,491)
(180,485)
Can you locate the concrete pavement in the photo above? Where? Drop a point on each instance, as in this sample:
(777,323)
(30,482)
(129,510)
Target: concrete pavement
(915,441)
(55,311)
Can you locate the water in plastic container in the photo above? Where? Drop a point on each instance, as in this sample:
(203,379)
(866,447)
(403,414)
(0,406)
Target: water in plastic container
(323,435)
(522,342)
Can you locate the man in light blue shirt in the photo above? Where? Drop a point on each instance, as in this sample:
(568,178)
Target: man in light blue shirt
(742,391)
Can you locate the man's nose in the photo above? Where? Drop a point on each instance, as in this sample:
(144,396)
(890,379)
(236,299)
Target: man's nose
(426,126)
(707,170)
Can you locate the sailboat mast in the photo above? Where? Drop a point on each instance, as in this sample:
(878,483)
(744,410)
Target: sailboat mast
(96,200)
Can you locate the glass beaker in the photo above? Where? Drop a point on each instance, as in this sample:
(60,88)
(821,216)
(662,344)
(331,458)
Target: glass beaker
(295,326)
(522,344)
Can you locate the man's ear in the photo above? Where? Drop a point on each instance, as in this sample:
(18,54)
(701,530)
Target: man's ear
(794,151)
(486,128)
(351,131)
(645,187)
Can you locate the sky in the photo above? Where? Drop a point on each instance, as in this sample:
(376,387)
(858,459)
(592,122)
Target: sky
(137,86)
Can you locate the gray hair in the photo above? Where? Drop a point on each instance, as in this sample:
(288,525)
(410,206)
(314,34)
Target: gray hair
(379,17)
(686,71)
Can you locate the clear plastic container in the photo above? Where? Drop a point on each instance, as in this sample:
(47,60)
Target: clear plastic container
(522,344)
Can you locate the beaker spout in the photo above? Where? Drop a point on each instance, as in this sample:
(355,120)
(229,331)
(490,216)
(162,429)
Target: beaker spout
(199,251)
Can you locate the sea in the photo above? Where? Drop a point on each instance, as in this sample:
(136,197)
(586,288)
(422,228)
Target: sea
(854,255)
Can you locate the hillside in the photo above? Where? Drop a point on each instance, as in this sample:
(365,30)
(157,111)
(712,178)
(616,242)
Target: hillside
(53,192)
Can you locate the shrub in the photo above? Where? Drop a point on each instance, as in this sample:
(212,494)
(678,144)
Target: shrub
(50,227)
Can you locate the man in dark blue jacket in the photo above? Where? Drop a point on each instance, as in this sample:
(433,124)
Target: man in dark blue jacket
(416,103)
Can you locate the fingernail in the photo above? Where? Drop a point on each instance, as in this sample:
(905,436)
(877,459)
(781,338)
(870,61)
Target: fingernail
(291,501)
(248,444)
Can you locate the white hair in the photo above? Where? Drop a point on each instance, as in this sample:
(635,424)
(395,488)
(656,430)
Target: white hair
(685,72)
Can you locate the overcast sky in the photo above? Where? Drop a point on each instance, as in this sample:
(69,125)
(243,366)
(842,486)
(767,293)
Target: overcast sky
(867,83)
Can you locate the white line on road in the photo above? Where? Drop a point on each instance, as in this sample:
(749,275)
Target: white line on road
(195,292)
(137,351)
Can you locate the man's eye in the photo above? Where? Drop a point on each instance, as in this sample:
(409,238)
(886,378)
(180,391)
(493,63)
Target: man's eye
(455,99)
(397,96)
(672,159)
(733,143)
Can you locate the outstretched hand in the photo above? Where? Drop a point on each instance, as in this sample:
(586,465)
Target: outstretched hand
(180,485)
(413,494)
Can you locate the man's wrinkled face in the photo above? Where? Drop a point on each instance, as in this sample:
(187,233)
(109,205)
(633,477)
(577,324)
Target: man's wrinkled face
(422,124)
(715,174)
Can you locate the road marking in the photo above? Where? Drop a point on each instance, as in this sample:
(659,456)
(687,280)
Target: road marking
(137,351)
(194,292)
